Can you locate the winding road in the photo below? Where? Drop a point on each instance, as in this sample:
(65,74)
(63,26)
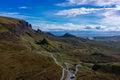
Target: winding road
(70,74)
(63,70)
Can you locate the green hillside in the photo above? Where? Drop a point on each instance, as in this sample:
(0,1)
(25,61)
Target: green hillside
(28,54)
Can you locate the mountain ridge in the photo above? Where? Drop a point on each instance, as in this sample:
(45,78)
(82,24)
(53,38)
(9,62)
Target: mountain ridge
(19,45)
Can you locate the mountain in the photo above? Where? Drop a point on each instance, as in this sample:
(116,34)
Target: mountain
(18,60)
(110,38)
(21,32)
(28,54)
(69,35)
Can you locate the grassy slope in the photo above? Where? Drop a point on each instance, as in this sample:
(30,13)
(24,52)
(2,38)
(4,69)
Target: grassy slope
(18,61)
(2,29)
(15,49)
(27,66)
(7,20)
(105,72)
(109,62)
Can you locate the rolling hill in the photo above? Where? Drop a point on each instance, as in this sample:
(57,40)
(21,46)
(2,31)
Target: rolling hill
(20,60)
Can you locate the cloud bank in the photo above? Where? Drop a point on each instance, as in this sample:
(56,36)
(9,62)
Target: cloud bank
(75,27)
(107,11)
(90,2)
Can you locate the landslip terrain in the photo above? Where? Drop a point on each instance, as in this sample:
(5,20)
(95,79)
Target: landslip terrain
(27,54)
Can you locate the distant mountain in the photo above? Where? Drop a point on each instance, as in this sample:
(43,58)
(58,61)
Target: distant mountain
(25,53)
(69,35)
(108,38)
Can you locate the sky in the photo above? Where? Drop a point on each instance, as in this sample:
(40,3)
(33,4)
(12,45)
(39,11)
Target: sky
(66,15)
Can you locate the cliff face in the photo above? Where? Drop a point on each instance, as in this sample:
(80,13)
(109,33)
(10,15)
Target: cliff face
(11,29)
(21,32)
(15,26)
(18,60)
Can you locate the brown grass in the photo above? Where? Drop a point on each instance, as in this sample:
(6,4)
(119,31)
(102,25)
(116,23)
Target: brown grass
(27,66)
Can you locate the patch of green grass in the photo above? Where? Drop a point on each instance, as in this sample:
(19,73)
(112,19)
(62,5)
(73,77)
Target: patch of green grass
(28,42)
(61,57)
(55,46)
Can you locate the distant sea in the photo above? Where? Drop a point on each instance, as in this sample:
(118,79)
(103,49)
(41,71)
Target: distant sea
(87,34)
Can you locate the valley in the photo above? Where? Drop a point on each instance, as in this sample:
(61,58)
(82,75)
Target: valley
(28,54)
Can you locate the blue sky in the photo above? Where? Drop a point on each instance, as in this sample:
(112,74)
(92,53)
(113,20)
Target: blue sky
(65,15)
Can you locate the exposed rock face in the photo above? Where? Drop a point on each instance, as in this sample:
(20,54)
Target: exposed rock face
(11,29)
(15,26)
(43,42)
(95,67)
(40,32)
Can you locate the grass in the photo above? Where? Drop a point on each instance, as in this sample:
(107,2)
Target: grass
(3,29)
(86,72)
(19,61)
(61,57)
(6,20)
(27,66)
(55,46)
(28,42)
(112,68)
(11,47)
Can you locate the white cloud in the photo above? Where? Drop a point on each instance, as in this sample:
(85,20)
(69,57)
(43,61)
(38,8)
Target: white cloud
(108,16)
(90,2)
(76,11)
(67,26)
(23,7)
(111,17)
(79,11)
(12,13)
(111,20)
(15,15)
(74,27)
